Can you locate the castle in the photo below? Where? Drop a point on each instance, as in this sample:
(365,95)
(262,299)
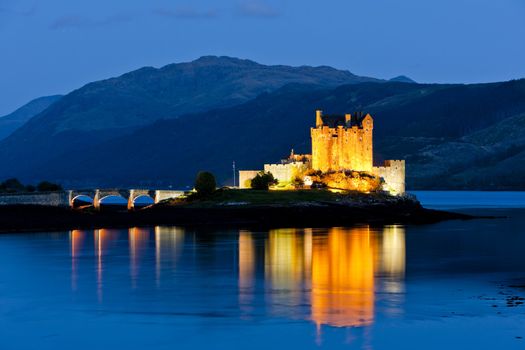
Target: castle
(340,144)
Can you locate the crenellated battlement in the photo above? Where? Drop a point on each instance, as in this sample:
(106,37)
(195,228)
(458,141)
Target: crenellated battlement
(342,142)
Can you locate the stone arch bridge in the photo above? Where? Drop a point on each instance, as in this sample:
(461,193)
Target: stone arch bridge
(67,198)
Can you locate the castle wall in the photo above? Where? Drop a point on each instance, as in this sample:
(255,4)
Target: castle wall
(246,176)
(393,172)
(285,172)
(343,148)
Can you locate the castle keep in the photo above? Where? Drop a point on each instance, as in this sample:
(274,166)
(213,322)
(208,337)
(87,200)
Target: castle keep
(342,152)
(342,142)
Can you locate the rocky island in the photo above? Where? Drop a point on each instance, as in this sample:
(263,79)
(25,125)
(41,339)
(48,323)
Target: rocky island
(232,207)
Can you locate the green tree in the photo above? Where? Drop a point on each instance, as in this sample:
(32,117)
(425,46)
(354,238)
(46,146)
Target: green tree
(46,186)
(205,183)
(262,181)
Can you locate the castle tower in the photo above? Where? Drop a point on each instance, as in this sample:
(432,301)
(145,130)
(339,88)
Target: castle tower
(342,142)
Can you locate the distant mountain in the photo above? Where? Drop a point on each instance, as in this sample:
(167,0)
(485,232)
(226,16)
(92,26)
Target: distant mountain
(402,79)
(11,122)
(452,136)
(106,109)
(158,127)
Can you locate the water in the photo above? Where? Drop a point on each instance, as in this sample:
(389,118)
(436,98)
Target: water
(452,284)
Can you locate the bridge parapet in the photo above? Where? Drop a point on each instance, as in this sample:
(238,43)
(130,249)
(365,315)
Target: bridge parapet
(66,198)
(55,199)
(161,195)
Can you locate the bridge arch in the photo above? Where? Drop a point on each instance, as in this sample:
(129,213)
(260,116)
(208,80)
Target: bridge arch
(142,200)
(112,199)
(81,198)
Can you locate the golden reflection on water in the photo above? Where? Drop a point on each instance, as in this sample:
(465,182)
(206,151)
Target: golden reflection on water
(343,278)
(103,240)
(138,242)
(169,242)
(334,271)
(335,277)
(247,265)
(76,238)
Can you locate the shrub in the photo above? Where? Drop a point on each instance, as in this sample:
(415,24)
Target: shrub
(205,183)
(46,186)
(262,181)
(298,182)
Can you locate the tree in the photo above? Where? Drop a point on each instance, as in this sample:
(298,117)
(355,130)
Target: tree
(205,183)
(12,185)
(46,186)
(262,181)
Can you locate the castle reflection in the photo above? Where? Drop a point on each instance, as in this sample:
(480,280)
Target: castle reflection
(334,272)
(343,278)
(340,277)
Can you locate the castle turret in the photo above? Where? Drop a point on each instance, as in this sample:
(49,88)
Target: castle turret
(318,118)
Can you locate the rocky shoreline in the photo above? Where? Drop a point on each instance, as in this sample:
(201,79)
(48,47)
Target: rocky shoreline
(22,218)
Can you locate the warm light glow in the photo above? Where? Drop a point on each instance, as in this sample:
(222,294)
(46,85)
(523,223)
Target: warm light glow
(343,278)
(169,242)
(247,263)
(285,267)
(393,251)
(138,241)
(103,239)
(246,259)
(77,238)
(336,271)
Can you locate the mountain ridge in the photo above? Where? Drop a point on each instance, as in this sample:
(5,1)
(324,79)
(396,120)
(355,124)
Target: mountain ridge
(14,120)
(159,126)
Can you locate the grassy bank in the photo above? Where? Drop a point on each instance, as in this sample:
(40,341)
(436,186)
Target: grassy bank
(249,197)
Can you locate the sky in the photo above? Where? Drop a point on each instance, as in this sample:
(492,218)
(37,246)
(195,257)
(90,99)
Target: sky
(55,46)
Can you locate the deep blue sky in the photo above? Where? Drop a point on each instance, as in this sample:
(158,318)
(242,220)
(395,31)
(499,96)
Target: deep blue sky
(54,46)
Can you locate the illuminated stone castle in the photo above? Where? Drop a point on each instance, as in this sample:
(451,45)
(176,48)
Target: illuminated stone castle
(340,144)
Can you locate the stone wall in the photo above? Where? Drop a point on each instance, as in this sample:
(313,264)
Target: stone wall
(161,195)
(286,172)
(343,148)
(55,199)
(246,176)
(393,173)
(65,198)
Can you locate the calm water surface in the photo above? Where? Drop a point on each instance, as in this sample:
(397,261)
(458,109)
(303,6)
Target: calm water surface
(453,284)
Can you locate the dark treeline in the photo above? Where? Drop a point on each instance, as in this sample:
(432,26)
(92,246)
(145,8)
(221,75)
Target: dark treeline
(15,186)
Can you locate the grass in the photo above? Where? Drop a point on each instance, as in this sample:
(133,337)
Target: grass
(261,197)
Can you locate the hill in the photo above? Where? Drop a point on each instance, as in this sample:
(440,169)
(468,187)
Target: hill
(452,136)
(13,121)
(106,109)
(158,127)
